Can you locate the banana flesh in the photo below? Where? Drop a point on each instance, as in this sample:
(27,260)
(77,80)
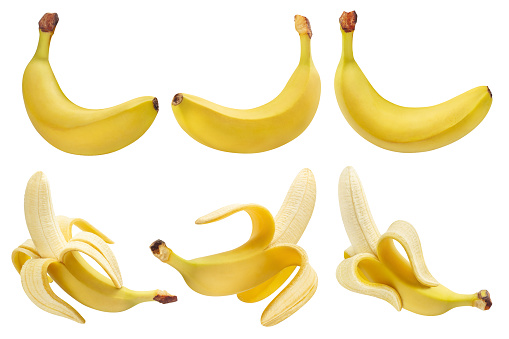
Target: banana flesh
(259,129)
(53,250)
(397,128)
(71,128)
(374,266)
(258,268)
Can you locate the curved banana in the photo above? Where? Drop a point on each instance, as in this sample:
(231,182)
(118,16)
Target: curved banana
(258,268)
(373,265)
(53,250)
(397,128)
(259,129)
(71,128)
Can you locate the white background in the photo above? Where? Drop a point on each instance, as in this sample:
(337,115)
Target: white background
(240,54)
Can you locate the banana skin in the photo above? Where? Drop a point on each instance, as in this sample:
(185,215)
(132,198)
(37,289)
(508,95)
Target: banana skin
(259,129)
(71,128)
(397,128)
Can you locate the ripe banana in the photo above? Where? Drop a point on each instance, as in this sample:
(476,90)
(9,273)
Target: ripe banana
(53,250)
(397,128)
(258,268)
(71,128)
(373,265)
(259,129)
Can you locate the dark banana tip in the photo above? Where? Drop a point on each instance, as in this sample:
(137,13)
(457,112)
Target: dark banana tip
(347,20)
(154,247)
(164,297)
(156,104)
(48,22)
(177,99)
(491,95)
(484,295)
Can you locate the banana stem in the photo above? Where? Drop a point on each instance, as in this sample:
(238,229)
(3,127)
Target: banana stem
(47,26)
(347,22)
(347,51)
(305,48)
(166,255)
(42,51)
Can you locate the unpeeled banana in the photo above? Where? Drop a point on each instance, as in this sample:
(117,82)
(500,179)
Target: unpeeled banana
(397,128)
(71,128)
(373,265)
(258,268)
(53,250)
(259,129)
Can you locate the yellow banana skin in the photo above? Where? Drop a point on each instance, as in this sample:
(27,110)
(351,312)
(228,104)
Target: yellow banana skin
(261,265)
(415,297)
(85,284)
(220,275)
(374,266)
(259,129)
(397,128)
(71,128)
(81,281)
(290,222)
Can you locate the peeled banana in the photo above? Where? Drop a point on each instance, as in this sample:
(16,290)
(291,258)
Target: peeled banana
(71,128)
(53,250)
(259,129)
(258,268)
(373,265)
(397,128)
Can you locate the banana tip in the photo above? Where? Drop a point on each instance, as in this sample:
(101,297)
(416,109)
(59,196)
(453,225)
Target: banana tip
(159,250)
(48,22)
(484,300)
(164,297)
(489,91)
(347,20)
(177,99)
(302,25)
(155,103)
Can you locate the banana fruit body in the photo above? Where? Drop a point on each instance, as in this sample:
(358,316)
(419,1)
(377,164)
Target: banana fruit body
(71,128)
(259,129)
(81,281)
(258,268)
(53,250)
(397,128)
(373,265)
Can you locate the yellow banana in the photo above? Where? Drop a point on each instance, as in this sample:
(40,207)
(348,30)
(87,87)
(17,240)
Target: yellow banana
(53,250)
(373,265)
(259,129)
(258,268)
(71,128)
(397,128)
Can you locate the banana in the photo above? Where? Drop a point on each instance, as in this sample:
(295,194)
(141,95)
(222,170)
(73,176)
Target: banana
(397,128)
(373,265)
(53,250)
(258,268)
(259,129)
(71,128)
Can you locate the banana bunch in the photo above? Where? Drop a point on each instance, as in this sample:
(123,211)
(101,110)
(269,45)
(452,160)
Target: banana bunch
(373,265)
(71,128)
(397,128)
(53,250)
(258,268)
(259,129)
